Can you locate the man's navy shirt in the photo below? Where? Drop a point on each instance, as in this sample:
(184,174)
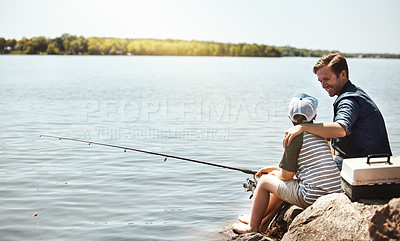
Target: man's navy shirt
(365,128)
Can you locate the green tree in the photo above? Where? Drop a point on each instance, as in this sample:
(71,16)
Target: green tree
(246,50)
(106,46)
(58,43)
(66,45)
(3,44)
(94,46)
(20,46)
(74,47)
(272,52)
(67,39)
(52,49)
(27,46)
(39,44)
(83,44)
(234,50)
(10,45)
(133,47)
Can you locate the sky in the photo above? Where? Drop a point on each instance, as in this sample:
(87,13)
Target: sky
(350,26)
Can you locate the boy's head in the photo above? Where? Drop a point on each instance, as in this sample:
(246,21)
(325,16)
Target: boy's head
(302,108)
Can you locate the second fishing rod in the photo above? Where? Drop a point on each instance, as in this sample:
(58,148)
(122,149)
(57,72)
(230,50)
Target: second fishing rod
(249,184)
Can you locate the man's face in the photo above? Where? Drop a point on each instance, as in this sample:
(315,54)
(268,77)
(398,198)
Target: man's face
(330,82)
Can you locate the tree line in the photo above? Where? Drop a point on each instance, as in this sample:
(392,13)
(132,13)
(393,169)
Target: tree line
(68,44)
(73,45)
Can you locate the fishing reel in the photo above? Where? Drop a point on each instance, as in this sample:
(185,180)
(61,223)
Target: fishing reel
(250,185)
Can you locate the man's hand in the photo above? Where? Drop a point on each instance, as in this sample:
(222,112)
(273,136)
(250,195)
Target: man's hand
(291,133)
(325,130)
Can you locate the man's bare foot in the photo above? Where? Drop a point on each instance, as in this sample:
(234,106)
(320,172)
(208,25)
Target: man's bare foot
(242,228)
(244,218)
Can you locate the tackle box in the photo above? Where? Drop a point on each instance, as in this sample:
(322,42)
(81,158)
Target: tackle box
(372,177)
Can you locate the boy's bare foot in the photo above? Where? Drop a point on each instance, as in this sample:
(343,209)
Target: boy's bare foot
(242,228)
(244,218)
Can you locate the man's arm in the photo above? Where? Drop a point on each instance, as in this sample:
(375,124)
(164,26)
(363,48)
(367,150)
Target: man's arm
(346,115)
(325,130)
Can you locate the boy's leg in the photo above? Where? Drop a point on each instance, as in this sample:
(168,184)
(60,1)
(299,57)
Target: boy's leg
(266,185)
(275,204)
(289,191)
(272,209)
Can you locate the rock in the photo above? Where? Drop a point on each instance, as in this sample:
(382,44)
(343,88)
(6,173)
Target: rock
(385,224)
(282,220)
(276,229)
(334,217)
(252,237)
(230,235)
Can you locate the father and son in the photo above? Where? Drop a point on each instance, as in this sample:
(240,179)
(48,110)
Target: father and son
(308,170)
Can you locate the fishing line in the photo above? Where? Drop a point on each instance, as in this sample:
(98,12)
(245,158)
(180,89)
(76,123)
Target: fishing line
(247,171)
(249,185)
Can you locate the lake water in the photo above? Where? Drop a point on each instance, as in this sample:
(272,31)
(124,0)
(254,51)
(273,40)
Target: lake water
(231,111)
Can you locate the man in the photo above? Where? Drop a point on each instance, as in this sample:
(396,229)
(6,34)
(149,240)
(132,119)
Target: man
(358,128)
(309,158)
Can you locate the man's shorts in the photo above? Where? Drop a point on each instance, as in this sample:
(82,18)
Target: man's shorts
(289,191)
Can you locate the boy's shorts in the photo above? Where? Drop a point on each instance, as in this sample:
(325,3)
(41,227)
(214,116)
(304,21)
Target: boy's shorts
(289,191)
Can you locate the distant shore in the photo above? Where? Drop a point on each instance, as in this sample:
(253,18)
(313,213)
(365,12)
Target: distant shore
(68,44)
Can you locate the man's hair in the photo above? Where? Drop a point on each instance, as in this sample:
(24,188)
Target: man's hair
(336,61)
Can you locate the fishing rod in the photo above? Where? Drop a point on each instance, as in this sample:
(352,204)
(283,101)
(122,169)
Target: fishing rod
(249,185)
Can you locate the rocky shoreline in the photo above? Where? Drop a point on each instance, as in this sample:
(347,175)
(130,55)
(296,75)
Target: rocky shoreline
(333,217)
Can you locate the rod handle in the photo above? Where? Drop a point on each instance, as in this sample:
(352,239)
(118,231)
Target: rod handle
(247,171)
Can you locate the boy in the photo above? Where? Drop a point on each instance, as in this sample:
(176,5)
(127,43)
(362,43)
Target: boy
(308,157)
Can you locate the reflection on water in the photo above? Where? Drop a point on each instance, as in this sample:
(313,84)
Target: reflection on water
(230,111)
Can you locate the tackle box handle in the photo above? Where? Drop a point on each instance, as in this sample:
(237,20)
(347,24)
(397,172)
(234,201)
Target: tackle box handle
(377,156)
